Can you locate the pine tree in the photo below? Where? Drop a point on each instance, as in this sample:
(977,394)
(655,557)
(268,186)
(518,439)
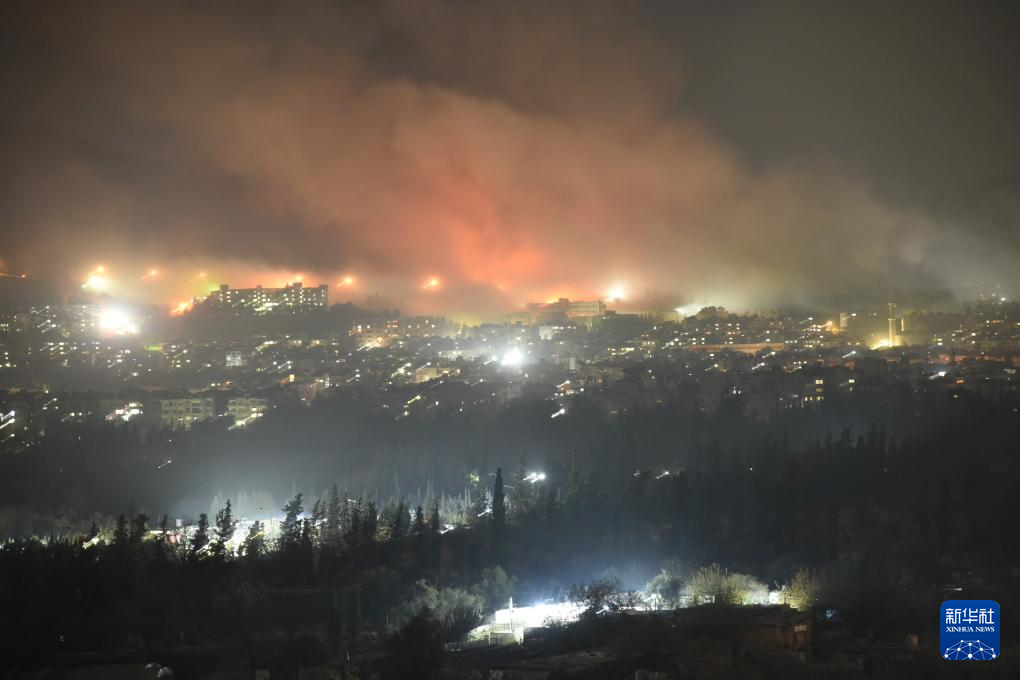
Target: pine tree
(369,522)
(120,533)
(201,537)
(352,535)
(333,517)
(306,550)
(434,523)
(420,531)
(290,531)
(520,497)
(254,542)
(318,519)
(398,526)
(160,549)
(435,528)
(498,512)
(139,526)
(419,528)
(225,526)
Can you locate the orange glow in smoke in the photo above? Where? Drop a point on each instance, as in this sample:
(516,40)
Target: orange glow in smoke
(181,308)
(96,282)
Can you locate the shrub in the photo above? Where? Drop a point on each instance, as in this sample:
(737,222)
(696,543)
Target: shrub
(456,610)
(715,584)
(668,585)
(416,650)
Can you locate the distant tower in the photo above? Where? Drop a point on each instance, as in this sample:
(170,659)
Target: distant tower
(892,324)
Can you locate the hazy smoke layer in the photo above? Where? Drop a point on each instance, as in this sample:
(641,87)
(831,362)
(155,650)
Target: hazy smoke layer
(515,151)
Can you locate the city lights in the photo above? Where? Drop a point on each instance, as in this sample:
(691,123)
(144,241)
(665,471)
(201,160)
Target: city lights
(745,280)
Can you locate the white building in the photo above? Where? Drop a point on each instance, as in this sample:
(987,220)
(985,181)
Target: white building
(246,409)
(183,413)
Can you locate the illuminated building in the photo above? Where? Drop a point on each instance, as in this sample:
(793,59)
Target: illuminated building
(83,320)
(125,413)
(548,331)
(870,329)
(292,299)
(431,372)
(183,413)
(246,409)
(564,309)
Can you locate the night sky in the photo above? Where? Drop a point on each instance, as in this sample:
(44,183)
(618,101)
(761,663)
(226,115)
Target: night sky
(749,154)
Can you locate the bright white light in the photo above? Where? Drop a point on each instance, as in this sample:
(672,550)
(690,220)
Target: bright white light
(535,477)
(95,282)
(513,357)
(539,615)
(617,293)
(115,321)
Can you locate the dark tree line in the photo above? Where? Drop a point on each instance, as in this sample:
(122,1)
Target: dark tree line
(890,506)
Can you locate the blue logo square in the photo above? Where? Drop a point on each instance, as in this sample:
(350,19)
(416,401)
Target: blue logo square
(969,630)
